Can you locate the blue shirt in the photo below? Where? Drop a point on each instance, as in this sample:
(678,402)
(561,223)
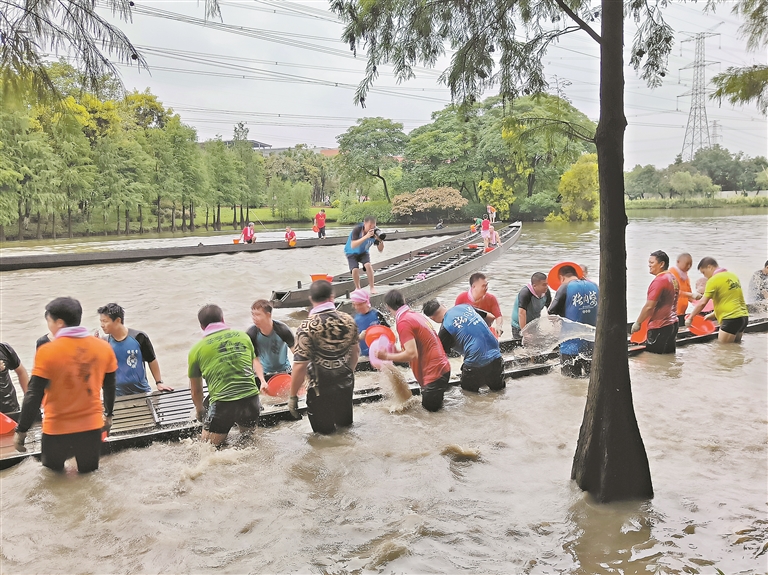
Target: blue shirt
(576,301)
(532,304)
(357,232)
(464,329)
(272,349)
(366,320)
(131,353)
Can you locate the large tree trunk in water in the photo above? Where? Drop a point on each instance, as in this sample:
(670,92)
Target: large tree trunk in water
(127,222)
(173,217)
(610,461)
(191,216)
(39,231)
(141,220)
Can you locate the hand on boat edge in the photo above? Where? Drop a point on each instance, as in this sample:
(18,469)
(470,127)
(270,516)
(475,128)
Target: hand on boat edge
(18,441)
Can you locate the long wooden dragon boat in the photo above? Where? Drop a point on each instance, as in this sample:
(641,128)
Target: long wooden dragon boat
(140,420)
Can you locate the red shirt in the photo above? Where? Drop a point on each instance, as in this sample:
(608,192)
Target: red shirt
(320,220)
(663,290)
(486,225)
(487,303)
(290,236)
(248,233)
(432,362)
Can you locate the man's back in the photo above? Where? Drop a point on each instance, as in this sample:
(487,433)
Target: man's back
(725,290)
(225,360)
(324,339)
(472,335)
(75,368)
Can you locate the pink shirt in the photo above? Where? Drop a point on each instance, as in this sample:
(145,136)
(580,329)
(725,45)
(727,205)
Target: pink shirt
(664,291)
(432,362)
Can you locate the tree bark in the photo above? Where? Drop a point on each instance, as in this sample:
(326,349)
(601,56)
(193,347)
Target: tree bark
(159,228)
(69,222)
(141,220)
(2,233)
(217,225)
(39,231)
(610,461)
(242,220)
(183,217)
(117,230)
(191,216)
(234,216)
(53,225)
(127,222)
(207,209)
(21,222)
(173,217)
(384,181)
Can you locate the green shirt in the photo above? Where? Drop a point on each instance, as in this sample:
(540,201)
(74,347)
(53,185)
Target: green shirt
(225,360)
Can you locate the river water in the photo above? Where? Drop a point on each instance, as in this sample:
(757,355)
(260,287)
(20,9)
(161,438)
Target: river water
(482,486)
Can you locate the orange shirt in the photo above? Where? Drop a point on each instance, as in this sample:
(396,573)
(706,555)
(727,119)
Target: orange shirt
(75,368)
(685,285)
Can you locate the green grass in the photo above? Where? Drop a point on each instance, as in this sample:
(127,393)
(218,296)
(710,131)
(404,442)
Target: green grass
(683,203)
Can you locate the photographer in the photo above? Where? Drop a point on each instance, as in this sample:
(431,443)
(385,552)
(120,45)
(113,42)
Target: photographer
(360,240)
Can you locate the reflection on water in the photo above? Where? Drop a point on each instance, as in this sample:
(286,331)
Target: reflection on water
(482,486)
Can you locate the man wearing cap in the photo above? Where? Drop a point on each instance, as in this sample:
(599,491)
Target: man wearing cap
(462,328)
(576,299)
(366,316)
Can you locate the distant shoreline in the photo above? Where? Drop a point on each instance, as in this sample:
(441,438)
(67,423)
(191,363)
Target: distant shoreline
(689,203)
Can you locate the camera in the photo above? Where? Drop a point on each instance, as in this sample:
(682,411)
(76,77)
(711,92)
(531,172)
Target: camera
(379,235)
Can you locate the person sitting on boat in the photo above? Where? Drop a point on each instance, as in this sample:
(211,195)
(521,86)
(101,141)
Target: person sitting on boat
(462,328)
(320,223)
(224,358)
(758,286)
(327,352)
(421,348)
(290,236)
(359,242)
(576,299)
(9,360)
(485,230)
(248,235)
(529,302)
(478,297)
(439,225)
(70,373)
(132,349)
(271,340)
(660,308)
(680,270)
(365,317)
(724,289)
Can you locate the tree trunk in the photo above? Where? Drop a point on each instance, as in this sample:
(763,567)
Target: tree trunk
(234,216)
(159,227)
(531,182)
(610,461)
(386,191)
(118,220)
(247,213)
(183,217)
(474,188)
(39,231)
(127,222)
(173,217)
(191,216)
(242,220)
(2,233)
(141,220)
(21,222)
(217,225)
(53,225)
(207,210)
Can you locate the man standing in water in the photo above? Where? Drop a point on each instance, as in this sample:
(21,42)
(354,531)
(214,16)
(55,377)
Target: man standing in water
(463,328)
(660,308)
(132,349)
(724,289)
(365,316)
(70,373)
(576,299)
(224,358)
(478,297)
(422,349)
(326,351)
(271,340)
(529,302)
(359,242)
(680,270)
(10,361)
(758,286)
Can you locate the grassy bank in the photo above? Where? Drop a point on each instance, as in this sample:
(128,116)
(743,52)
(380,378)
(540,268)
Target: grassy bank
(688,203)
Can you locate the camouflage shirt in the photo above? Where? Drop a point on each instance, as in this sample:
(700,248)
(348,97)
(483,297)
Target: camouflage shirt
(325,340)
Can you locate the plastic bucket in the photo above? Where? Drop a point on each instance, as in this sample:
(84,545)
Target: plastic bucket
(702,326)
(472,246)
(292,243)
(7,425)
(640,336)
(236,241)
(553,278)
(279,384)
(376,331)
(318,277)
(315,229)
(472,228)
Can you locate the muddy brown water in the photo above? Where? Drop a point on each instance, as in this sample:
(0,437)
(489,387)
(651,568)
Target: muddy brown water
(482,486)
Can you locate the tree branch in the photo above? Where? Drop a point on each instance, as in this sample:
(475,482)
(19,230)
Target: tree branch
(584,26)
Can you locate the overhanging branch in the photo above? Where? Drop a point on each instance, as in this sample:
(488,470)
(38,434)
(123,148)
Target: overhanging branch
(584,26)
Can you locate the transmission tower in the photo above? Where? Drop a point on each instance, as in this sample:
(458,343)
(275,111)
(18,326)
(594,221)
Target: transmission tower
(697,130)
(715,133)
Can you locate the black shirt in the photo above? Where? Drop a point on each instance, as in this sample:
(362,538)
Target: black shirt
(8,399)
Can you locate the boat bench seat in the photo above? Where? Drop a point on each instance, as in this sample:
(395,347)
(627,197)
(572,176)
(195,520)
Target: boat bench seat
(150,410)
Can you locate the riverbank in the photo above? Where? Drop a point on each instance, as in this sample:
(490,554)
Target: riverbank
(689,203)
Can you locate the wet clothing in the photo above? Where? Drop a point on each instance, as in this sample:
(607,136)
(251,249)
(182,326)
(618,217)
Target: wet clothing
(431,363)
(70,373)
(272,349)
(492,375)
(325,340)
(366,320)
(42,341)
(224,358)
(758,287)
(131,353)
(576,301)
(531,303)
(487,303)
(222,415)
(734,326)
(8,400)
(664,291)
(663,339)
(467,332)
(684,285)
(433,393)
(724,289)
(84,446)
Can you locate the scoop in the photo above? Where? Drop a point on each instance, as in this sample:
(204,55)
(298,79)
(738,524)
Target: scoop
(640,336)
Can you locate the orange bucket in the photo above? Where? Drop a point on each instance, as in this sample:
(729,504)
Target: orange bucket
(279,384)
(292,243)
(702,326)
(472,246)
(318,277)
(7,425)
(640,336)
(553,278)
(376,331)
(315,229)
(236,241)
(472,228)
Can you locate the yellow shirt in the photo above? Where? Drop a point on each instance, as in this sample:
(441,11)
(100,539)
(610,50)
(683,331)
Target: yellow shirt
(725,290)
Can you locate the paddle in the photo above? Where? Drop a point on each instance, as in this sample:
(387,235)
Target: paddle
(640,336)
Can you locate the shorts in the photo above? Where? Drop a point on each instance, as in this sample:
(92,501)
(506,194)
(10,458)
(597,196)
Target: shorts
(85,446)
(491,374)
(329,408)
(663,339)
(432,394)
(485,234)
(355,260)
(222,415)
(734,326)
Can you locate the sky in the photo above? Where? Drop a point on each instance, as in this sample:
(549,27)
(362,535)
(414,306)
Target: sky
(279,67)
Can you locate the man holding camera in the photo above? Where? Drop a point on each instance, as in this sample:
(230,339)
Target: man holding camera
(360,240)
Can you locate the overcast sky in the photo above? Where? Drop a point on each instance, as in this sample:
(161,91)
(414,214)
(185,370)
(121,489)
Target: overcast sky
(279,67)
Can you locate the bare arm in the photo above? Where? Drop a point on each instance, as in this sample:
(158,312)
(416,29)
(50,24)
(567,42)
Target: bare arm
(357,243)
(196,387)
(410,353)
(700,306)
(380,246)
(258,369)
(154,367)
(354,355)
(522,317)
(298,376)
(21,373)
(647,310)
